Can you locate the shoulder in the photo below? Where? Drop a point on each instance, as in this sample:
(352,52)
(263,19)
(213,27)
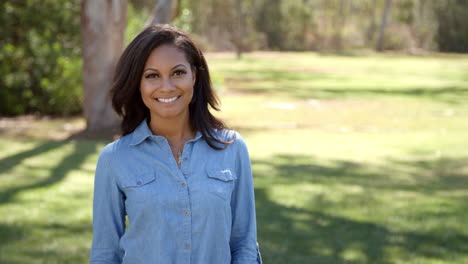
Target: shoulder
(238,153)
(228,135)
(237,144)
(115,148)
(112,158)
(224,134)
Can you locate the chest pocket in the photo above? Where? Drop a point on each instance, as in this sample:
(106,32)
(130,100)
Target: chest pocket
(139,188)
(221,182)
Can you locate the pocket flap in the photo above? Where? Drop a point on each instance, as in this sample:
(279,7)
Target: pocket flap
(221,174)
(138,180)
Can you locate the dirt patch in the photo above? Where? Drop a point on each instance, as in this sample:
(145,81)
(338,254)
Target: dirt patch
(49,128)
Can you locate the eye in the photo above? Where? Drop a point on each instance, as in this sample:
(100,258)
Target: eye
(179,72)
(152,75)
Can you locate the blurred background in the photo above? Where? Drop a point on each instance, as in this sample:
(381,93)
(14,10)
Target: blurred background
(355,113)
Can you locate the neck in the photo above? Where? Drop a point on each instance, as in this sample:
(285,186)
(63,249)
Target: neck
(177,129)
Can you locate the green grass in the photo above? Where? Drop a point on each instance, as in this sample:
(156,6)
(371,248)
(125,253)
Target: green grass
(356,160)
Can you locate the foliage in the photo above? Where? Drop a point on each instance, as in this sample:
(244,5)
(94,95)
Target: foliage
(452,31)
(328,25)
(322,25)
(40,60)
(39,57)
(137,20)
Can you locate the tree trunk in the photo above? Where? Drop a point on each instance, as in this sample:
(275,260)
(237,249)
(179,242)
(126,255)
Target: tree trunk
(339,26)
(165,11)
(201,10)
(304,24)
(383,25)
(102,31)
(370,33)
(239,36)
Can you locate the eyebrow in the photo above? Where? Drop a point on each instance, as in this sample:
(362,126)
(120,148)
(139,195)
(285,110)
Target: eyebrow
(153,69)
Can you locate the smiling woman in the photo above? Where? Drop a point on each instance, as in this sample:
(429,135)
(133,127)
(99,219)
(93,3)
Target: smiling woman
(183,179)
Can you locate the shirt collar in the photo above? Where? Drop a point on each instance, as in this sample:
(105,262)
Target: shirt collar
(142,132)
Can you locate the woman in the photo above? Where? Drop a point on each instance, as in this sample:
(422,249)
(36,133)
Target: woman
(180,176)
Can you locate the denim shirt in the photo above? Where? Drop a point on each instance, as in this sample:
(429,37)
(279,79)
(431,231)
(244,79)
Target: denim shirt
(200,213)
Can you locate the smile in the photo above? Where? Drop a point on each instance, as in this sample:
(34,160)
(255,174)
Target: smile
(167,100)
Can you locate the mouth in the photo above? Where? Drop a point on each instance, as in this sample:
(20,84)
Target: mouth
(167,100)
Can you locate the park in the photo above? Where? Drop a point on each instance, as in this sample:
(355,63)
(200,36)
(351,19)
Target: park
(357,157)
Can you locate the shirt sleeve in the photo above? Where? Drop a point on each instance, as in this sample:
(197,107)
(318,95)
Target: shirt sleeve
(243,242)
(108,214)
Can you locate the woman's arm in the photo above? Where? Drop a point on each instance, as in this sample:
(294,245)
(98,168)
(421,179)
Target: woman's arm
(244,247)
(108,214)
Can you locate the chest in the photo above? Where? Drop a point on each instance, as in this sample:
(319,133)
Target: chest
(152,183)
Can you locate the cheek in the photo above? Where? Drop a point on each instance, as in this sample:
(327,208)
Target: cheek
(146,88)
(143,90)
(145,94)
(184,84)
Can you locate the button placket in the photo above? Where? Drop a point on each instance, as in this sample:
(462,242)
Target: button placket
(185,164)
(185,207)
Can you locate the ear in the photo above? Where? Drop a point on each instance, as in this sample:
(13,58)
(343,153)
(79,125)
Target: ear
(194,76)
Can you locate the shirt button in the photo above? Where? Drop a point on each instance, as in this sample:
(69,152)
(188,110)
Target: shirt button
(187,245)
(183,184)
(138,182)
(187,212)
(185,159)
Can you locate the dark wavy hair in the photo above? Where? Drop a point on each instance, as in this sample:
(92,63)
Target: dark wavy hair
(125,91)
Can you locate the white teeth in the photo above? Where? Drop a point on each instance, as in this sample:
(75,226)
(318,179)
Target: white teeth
(167,100)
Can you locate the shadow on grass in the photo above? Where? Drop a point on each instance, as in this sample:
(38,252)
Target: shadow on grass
(16,159)
(302,85)
(314,234)
(10,233)
(48,249)
(420,175)
(81,150)
(446,94)
(297,235)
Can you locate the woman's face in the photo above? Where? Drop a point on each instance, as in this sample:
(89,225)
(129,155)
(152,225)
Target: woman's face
(167,82)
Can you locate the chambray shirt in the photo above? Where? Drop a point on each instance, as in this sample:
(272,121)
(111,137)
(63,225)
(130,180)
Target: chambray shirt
(201,213)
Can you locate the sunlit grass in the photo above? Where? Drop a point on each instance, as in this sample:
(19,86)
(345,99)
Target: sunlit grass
(355,159)
(312,76)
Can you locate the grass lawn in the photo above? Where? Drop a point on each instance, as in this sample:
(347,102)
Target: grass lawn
(356,160)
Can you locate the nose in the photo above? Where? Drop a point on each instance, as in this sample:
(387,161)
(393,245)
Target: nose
(167,84)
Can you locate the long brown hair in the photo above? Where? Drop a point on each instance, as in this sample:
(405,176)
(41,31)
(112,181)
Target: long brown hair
(125,92)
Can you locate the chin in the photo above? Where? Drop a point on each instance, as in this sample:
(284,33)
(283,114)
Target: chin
(169,115)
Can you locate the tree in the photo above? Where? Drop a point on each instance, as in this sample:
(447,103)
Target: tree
(452,32)
(165,11)
(339,21)
(383,25)
(372,7)
(239,35)
(102,29)
(40,62)
(275,32)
